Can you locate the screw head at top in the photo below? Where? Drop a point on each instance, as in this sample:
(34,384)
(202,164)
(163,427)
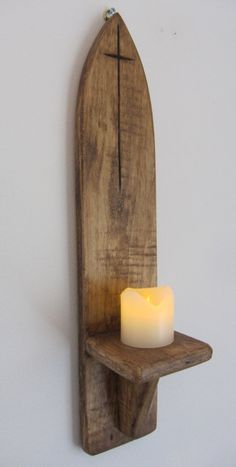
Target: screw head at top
(109,13)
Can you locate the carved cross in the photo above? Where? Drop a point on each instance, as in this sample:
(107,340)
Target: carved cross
(118,57)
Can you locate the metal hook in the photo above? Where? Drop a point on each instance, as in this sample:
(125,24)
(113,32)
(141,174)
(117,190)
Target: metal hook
(109,13)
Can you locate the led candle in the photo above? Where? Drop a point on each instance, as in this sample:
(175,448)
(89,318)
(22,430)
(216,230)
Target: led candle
(147,317)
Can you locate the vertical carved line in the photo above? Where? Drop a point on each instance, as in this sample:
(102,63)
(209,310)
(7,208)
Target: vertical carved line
(118,57)
(118,99)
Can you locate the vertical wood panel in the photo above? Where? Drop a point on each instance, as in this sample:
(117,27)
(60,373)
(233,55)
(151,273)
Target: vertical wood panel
(116,211)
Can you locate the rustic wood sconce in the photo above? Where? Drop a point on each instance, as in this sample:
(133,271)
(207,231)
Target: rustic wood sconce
(116,212)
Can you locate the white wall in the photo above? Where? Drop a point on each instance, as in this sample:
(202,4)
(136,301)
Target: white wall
(188,51)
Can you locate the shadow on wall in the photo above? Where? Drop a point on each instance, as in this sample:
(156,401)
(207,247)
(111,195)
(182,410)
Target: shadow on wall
(84,45)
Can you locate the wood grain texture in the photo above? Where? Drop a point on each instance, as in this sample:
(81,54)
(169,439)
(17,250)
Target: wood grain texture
(137,403)
(142,365)
(116,213)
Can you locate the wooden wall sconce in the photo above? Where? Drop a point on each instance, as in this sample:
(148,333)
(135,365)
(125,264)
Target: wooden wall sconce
(116,212)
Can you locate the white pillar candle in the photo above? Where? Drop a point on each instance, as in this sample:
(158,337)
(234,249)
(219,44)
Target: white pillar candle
(147,317)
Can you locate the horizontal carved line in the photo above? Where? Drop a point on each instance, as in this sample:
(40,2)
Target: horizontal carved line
(120,57)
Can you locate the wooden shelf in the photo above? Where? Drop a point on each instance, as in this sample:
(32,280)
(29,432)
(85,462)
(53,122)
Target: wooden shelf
(141,365)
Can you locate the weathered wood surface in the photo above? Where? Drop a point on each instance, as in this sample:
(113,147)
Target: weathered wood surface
(142,365)
(116,213)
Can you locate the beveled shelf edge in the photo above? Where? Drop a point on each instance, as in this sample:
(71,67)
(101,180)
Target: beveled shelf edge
(141,365)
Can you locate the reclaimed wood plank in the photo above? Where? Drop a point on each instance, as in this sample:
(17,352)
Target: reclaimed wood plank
(116,214)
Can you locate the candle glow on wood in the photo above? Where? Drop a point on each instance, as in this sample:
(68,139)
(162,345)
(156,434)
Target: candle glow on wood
(147,317)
